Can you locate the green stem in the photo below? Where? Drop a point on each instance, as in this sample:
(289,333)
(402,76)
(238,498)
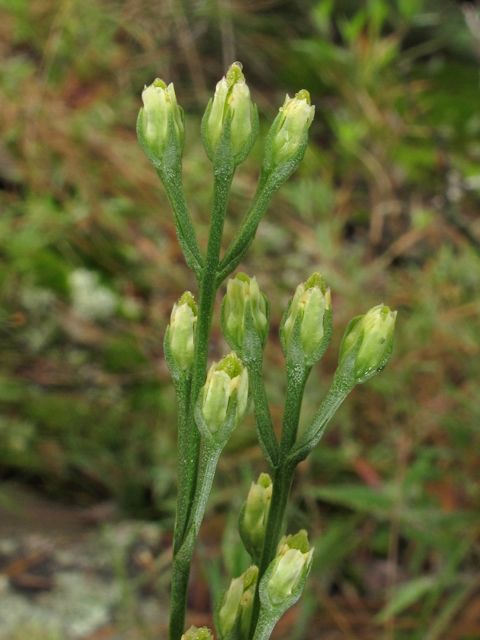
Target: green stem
(183,559)
(296,380)
(265,625)
(263,419)
(341,387)
(172,181)
(183,389)
(245,235)
(222,180)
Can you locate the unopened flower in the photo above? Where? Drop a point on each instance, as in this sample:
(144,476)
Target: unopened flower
(295,118)
(232,100)
(237,602)
(374,331)
(293,561)
(183,322)
(312,304)
(254,515)
(225,380)
(160,110)
(243,292)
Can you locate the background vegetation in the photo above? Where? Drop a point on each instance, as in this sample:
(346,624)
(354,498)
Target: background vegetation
(385,205)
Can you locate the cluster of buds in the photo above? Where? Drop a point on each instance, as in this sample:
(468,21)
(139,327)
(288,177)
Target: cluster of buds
(369,341)
(161,120)
(181,332)
(254,516)
(197,634)
(243,302)
(231,107)
(236,607)
(311,308)
(226,380)
(289,570)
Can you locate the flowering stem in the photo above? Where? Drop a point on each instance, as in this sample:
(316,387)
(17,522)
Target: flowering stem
(223,175)
(183,559)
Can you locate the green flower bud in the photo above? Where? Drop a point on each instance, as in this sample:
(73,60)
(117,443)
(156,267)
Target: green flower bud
(296,116)
(232,98)
(254,515)
(238,601)
(375,331)
(312,302)
(182,331)
(293,561)
(243,291)
(197,634)
(224,379)
(160,105)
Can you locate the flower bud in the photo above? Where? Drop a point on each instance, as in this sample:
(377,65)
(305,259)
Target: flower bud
(197,634)
(312,302)
(238,601)
(232,98)
(293,561)
(182,331)
(160,107)
(296,116)
(225,379)
(243,291)
(254,515)
(375,331)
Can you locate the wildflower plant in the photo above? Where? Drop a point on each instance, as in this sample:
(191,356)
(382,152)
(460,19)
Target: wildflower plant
(210,406)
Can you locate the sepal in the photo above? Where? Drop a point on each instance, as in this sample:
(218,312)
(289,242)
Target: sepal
(253,517)
(370,339)
(167,148)
(284,580)
(230,122)
(306,326)
(278,165)
(224,400)
(244,309)
(178,374)
(233,613)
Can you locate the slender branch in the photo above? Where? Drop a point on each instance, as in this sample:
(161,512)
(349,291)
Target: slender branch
(296,380)
(183,559)
(263,418)
(171,176)
(183,390)
(252,355)
(337,393)
(246,233)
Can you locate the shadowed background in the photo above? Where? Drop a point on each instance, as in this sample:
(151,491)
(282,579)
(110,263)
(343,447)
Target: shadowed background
(385,205)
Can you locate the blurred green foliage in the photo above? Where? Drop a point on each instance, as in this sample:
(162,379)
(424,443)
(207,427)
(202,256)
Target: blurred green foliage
(385,205)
